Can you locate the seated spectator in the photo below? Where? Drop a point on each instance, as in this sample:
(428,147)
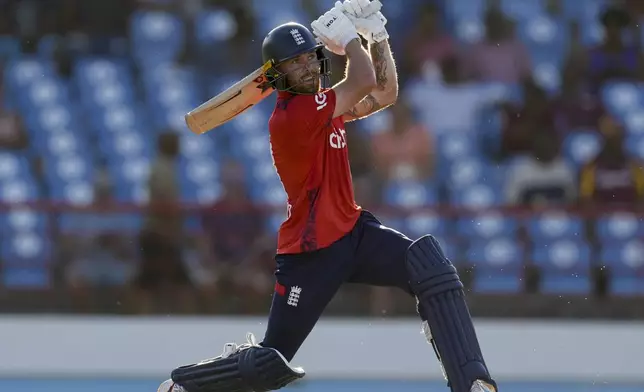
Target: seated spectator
(451,105)
(519,123)
(614,58)
(427,45)
(406,149)
(13,135)
(613,178)
(543,177)
(500,56)
(576,107)
(236,237)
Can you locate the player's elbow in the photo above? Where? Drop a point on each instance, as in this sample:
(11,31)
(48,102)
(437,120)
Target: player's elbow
(366,83)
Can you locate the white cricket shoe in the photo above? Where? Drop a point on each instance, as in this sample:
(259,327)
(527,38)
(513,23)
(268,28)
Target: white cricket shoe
(169,386)
(482,386)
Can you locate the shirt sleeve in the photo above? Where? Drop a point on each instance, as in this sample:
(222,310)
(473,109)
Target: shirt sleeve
(308,116)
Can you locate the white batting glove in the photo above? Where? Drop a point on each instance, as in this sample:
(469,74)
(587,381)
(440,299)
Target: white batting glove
(335,29)
(366,16)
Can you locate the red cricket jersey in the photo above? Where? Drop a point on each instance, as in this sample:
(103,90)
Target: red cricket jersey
(312,160)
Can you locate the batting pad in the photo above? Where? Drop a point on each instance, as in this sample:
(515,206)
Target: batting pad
(249,368)
(439,291)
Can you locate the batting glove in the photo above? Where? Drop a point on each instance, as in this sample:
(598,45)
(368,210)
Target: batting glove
(366,17)
(335,30)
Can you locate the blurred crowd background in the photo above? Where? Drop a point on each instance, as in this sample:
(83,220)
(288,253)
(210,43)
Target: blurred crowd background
(516,140)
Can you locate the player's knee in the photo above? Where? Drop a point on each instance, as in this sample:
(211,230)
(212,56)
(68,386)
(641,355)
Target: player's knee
(430,271)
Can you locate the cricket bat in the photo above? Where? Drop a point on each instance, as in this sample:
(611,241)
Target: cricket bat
(230,103)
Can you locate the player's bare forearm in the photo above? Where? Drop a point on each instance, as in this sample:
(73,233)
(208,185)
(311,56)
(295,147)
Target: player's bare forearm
(386,91)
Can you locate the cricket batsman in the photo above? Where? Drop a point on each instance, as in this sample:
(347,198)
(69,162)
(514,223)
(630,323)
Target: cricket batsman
(326,239)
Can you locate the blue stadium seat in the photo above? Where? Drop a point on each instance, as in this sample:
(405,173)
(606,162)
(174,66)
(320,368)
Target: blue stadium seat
(204,193)
(454,146)
(564,267)
(487,225)
(156,37)
(79,192)
(199,170)
(634,123)
(498,266)
(480,195)
(579,148)
(523,10)
(619,227)
(214,26)
(469,29)
(621,97)
(19,190)
(261,171)
(635,146)
(17,276)
(197,145)
(468,8)
(549,227)
(125,145)
(625,262)
(269,194)
(27,248)
(130,170)
(13,166)
(92,222)
(409,194)
(45,92)
(20,220)
(467,171)
(69,168)
(543,36)
(418,224)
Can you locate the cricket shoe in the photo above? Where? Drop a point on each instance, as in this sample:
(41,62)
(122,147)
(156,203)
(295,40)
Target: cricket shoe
(169,386)
(482,386)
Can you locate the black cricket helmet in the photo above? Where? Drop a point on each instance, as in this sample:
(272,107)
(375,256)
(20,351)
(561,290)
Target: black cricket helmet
(286,42)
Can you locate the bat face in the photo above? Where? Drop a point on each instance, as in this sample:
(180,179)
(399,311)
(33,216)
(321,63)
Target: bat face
(233,101)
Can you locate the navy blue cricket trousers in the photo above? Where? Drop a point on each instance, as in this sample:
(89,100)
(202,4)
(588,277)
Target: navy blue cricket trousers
(369,254)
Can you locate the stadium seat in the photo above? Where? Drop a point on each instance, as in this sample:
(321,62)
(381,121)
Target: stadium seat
(419,224)
(488,225)
(409,194)
(25,277)
(618,227)
(579,148)
(476,196)
(498,265)
(156,37)
(549,227)
(564,267)
(621,98)
(625,264)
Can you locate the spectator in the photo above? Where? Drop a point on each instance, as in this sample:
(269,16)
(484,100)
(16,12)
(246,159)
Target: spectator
(614,58)
(427,45)
(519,123)
(452,105)
(13,135)
(576,107)
(612,178)
(500,56)
(405,150)
(238,242)
(543,177)
(95,245)
(163,277)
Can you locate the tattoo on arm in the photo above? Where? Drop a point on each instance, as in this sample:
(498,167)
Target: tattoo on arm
(365,107)
(379,64)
